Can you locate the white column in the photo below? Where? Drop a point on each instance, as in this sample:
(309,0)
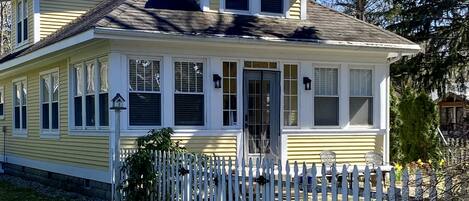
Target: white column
(255,6)
(215,104)
(167,89)
(344,95)
(306,105)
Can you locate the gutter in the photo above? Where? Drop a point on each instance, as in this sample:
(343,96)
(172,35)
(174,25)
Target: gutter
(113,33)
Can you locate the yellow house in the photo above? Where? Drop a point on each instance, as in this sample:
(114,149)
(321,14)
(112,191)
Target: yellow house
(285,79)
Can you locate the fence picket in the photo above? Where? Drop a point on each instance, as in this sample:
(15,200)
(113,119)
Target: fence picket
(314,191)
(305,182)
(243,179)
(323,182)
(258,173)
(334,183)
(279,180)
(173,176)
(418,186)
(272,178)
(295,181)
(355,183)
(164,171)
(223,180)
(405,185)
(236,181)
(392,186)
(367,186)
(265,187)
(230,177)
(251,188)
(287,182)
(211,182)
(433,184)
(344,183)
(379,184)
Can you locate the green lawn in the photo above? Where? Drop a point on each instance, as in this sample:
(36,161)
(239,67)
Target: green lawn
(9,192)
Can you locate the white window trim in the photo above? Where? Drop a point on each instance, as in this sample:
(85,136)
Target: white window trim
(23,17)
(22,132)
(97,92)
(373,95)
(254,8)
(205,89)
(339,96)
(160,59)
(298,94)
(2,97)
(49,133)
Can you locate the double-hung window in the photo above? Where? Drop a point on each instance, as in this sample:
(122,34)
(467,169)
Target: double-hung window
(2,102)
(229,93)
(49,86)
(189,93)
(144,93)
(21,21)
(19,106)
(326,97)
(361,97)
(90,94)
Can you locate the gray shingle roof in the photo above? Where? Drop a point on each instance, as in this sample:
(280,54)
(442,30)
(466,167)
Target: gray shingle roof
(321,24)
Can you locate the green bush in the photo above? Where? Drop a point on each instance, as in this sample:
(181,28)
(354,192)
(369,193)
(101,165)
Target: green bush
(139,166)
(416,128)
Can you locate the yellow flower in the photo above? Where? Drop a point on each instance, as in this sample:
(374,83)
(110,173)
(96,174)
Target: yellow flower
(430,161)
(398,167)
(442,162)
(420,162)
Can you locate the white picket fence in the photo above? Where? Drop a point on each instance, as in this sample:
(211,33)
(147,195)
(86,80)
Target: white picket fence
(187,177)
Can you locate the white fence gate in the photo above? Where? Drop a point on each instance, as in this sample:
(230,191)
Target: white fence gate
(187,177)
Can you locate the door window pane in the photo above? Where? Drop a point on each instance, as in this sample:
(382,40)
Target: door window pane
(290,86)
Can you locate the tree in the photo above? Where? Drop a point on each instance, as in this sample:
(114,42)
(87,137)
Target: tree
(417,129)
(5,27)
(442,30)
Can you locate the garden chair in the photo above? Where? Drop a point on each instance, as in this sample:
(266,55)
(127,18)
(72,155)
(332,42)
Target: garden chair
(373,159)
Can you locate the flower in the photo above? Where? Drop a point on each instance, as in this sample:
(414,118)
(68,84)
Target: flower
(430,161)
(442,162)
(420,162)
(398,167)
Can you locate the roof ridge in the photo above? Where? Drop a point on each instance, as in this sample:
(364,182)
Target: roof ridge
(363,22)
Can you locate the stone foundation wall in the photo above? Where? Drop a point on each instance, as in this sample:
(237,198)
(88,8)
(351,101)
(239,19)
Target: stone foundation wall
(85,187)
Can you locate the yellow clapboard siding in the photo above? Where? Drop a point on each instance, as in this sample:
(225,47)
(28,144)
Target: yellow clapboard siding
(295,9)
(57,13)
(349,148)
(220,146)
(79,151)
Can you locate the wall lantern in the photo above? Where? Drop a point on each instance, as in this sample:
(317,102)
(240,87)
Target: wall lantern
(307,83)
(217,81)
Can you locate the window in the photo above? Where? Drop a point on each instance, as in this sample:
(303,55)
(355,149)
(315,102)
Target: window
(2,102)
(229,93)
(19,105)
(326,98)
(189,94)
(21,21)
(272,6)
(237,4)
(290,91)
(144,93)
(49,85)
(260,64)
(90,94)
(361,97)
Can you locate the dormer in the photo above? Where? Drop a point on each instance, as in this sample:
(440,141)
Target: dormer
(36,19)
(292,9)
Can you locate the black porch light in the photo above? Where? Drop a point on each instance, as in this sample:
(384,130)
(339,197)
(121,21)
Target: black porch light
(307,83)
(217,81)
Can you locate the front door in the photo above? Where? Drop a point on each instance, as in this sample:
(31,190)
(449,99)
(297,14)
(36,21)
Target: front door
(262,114)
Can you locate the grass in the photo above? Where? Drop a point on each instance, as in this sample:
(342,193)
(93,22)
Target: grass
(9,192)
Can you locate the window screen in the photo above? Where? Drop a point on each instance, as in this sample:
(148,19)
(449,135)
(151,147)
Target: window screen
(361,98)
(237,4)
(144,93)
(326,99)
(189,97)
